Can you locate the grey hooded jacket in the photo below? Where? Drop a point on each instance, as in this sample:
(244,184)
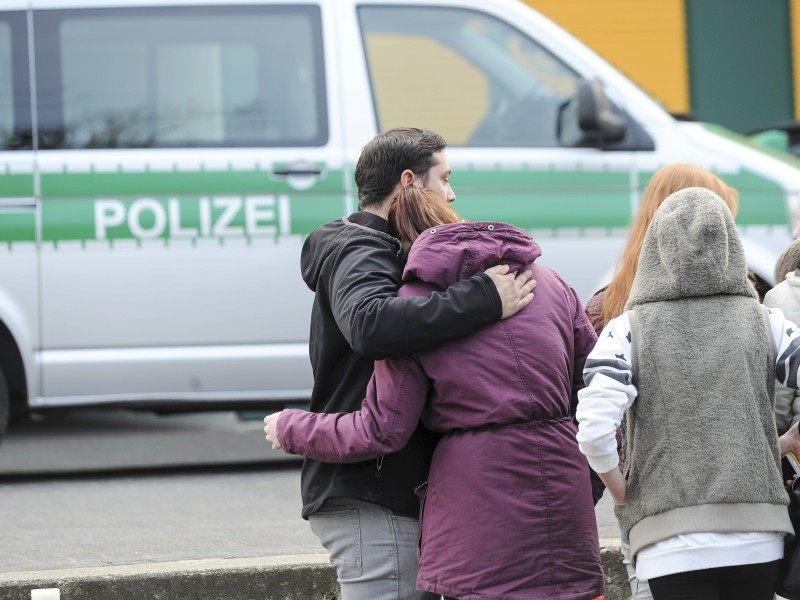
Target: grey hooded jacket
(701,444)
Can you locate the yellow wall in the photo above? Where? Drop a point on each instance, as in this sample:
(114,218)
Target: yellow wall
(644,40)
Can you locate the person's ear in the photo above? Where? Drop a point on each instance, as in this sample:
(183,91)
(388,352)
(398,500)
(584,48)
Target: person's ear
(407,178)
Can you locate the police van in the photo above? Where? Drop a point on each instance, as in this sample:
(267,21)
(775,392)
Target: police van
(162,160)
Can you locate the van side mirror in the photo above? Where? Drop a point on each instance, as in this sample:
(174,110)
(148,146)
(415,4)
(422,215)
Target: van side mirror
(595,116)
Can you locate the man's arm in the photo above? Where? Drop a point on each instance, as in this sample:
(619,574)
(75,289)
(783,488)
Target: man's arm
(377,324)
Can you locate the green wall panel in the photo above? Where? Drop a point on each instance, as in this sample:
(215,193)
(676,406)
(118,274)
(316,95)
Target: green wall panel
(740,67)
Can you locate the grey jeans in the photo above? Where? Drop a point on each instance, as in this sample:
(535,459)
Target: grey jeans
(640,589)
(373,549)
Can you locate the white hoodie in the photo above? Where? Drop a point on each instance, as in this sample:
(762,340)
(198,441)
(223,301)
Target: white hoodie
(786,296)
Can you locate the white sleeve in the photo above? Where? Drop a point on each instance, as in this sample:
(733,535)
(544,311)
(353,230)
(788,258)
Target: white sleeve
(608,393)
(787,338)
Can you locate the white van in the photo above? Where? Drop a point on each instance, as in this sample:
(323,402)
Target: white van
(162,160)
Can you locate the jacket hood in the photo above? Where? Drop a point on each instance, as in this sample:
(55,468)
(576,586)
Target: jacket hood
(328,238)
(692,248)
(449,253)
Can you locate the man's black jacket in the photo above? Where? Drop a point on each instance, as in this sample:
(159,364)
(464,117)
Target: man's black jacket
(355,269)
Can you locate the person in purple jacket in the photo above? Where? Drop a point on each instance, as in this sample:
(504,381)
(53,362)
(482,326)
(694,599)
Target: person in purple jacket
(365,513)
(508,510)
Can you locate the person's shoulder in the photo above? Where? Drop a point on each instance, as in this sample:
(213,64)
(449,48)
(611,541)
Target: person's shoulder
(784,291)
(362,227)
(594,309)
(595,303)
(540,269)
(352,232)
(620,322)
(542,274)
(792,281)
(343,243)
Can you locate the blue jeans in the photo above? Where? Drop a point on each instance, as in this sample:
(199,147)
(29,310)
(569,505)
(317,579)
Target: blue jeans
(373,549)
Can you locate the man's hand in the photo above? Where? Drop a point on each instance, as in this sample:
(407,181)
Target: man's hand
(515,290)
(790,441)
(271,429)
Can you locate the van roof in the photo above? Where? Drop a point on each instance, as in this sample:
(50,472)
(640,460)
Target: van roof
(63,4)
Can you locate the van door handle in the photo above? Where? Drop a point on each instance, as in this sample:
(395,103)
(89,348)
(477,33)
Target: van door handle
(304,170)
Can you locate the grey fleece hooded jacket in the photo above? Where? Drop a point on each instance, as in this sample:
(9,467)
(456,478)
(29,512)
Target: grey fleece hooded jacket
(701,445)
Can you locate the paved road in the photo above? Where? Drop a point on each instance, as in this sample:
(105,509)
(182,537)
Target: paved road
(82,441)
(96,489)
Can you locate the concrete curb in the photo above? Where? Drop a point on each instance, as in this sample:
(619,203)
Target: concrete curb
(297,577)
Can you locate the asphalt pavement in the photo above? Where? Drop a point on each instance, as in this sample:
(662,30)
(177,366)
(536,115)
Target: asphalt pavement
(107,441)
(118,497)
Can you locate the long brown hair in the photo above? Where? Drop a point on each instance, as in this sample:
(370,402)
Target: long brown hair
(665,182)
(413,210)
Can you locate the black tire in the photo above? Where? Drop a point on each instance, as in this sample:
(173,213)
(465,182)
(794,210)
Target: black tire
(5,406)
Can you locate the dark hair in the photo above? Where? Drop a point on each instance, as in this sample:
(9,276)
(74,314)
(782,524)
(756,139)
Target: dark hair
(390,153)
(413,210)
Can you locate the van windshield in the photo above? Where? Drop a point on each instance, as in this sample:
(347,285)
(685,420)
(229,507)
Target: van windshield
(465,74)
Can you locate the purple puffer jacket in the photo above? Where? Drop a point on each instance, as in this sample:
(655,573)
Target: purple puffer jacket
(508,512)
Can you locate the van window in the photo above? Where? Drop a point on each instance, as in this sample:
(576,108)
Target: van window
(204,76)
(15,102)
(464,74)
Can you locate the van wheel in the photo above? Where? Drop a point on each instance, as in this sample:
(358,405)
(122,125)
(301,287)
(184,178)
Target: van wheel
(5,406)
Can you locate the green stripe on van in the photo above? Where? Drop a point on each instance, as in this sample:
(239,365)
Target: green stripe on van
(17,227)
(179,204)
(761,201)
(726,133)
(499,179)
(549,210)
(187,217)
(545,199)
(98,185)
(16,186)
